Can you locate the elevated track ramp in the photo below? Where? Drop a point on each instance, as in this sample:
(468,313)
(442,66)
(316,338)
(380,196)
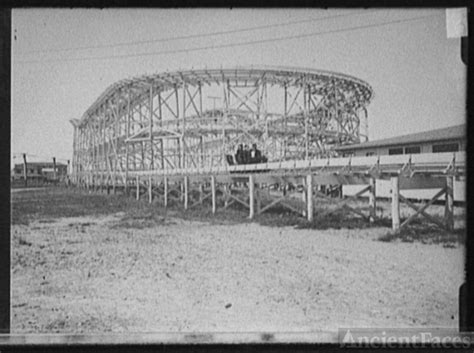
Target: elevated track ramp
(301,179)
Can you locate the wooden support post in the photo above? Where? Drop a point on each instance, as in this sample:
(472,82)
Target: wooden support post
(25,170)
(126,191)
(201,192)
(181,190)
(213,193)
(258,199)
(185,187)
(395,204)
(165,191)
(372,201)
(138,187)
(449,203)
(309,197)
(251,197)
(226,196)
(304,196)
(150,190)
(152,152)
(54,170)
(114,182)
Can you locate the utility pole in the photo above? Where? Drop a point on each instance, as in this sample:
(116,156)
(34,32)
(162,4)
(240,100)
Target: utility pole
(25,170)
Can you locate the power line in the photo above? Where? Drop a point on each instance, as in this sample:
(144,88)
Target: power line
(191,36)
(312,34)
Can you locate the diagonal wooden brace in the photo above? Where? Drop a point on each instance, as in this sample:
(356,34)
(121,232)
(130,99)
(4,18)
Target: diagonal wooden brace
(421,210)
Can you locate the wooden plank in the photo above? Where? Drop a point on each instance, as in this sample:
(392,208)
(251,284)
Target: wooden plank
(185,191)
(421,211)
(292,208)
(165,192)
(419,181)
(271,204)
(138,188)
(251,197)
(372,201)
(309,197)
(354,210)
(226,195)
(395,204)
(243,203)
(213,193)
(150,190)
(228,203)
(449,203)
(200,201)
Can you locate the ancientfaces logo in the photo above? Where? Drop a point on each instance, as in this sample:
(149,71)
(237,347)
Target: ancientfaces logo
(394,338)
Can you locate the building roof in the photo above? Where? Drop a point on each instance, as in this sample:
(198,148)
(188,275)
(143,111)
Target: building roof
(450,133)
(41,164)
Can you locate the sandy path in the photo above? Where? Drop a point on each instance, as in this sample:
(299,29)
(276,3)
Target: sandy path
(82,275)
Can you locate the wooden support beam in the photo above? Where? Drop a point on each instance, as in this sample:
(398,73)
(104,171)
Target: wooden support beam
(449,203)
(309,197)
(258,199)
(226,195)
(230,202)
(201,192)
(165,191)
(213,193)
(185,188)
(343,203)
(291,207)
(271,204)
(25,170)
(372,201)
(251,197)
(54,169)
(138,188)
(150,190)
(395,204)
(422,209)
(200,201)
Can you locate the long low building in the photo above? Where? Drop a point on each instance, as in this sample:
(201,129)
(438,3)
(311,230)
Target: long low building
(450,139)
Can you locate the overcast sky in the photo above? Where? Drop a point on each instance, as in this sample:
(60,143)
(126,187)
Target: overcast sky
(62,60)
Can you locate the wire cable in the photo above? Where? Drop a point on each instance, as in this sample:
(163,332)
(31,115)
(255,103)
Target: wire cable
(193,36)
(219,46)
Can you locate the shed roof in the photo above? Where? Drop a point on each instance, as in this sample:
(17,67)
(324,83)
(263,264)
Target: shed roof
(41,164)
(449,133)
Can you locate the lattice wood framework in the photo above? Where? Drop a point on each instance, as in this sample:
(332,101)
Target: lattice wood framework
(166,121)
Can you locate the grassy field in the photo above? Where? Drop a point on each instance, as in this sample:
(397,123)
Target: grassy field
(107,263)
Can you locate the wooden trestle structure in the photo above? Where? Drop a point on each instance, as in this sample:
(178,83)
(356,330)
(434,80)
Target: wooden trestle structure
(255,186)
(162,135)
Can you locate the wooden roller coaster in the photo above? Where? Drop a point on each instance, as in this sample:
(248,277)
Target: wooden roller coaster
(156,134)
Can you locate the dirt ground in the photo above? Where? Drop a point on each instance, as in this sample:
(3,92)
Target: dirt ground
(93,263)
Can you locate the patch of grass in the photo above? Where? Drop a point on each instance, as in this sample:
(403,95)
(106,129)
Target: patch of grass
(51,203)
(47,204)
(426,233)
